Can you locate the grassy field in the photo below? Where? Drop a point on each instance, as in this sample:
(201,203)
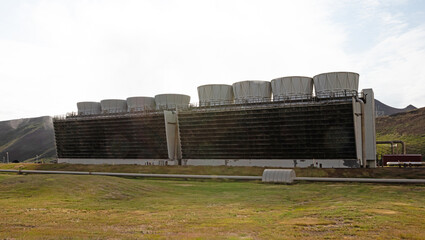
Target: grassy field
(99,207)
(408,127)
(415,144)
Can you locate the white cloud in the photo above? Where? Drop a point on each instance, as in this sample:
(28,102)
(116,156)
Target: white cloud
(392,65)
(394,68)
(62,52)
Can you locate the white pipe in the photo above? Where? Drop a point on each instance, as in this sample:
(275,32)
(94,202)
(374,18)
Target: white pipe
(314,179)
(392,145)
(136,174)
(370,180)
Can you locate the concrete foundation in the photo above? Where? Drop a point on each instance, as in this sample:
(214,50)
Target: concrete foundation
(285,163)
(160,162)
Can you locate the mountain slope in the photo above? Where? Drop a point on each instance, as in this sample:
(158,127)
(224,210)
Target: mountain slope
(382,109)
(23,139)
(408,127)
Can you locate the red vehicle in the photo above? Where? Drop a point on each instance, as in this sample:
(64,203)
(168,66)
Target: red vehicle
(401,159)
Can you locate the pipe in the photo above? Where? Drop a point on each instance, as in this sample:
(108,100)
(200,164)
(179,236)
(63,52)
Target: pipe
(403,145)
(392,148)
(314,179)
(177,147)
(135,174)
(362,111)
(369,180)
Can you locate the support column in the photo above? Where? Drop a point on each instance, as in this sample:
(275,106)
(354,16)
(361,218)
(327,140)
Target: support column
(173,140)
(370,116)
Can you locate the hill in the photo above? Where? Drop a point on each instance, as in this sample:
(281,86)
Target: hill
(408,127)
(382,109)
(23,139)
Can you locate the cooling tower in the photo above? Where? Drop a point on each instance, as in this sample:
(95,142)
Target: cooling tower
(336,84)
(88,108)
(135,104)
(171,101)
(215,94)
(252,91)
(113,106)
(287,88)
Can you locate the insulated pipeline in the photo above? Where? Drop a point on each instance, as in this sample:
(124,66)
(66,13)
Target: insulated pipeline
(314,179)
(365,180)
(136,174)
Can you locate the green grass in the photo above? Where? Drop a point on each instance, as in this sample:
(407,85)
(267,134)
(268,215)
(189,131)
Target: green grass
(99,207)
(408,127)
(415,144)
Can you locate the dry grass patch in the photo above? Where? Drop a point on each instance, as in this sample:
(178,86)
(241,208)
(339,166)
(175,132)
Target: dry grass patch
(307,221)
(380,211)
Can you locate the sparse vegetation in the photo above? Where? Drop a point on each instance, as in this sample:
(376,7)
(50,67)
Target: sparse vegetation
(23,139)
(97,207)
(408,127)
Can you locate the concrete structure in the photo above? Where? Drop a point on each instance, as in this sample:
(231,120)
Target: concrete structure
(334,84)
(252,91)
(215,94)
(171,101)
(370,131)
(114,161)
(136,104)
(295,87)
(88,108)
(273,134)
(128,138)
(172,134)
(113,106)
(364,123)
(278,176)
(334,130)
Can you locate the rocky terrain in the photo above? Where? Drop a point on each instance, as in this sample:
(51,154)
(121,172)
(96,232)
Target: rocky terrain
(382,109)
(24,139)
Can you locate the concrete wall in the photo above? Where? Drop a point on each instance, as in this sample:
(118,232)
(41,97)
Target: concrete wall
(370,127)
(174,147)
(172,133)
(117,161)
(301,163)
(370,136)
(286,163)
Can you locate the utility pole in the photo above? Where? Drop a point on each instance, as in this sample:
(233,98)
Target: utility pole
(7,157)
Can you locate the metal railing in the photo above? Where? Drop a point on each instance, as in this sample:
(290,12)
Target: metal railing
(276,102)
(323,97)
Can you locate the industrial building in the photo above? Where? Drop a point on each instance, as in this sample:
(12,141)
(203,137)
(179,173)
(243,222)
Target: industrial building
(293,121)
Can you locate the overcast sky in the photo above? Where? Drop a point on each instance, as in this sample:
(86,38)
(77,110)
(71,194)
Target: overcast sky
(54,54)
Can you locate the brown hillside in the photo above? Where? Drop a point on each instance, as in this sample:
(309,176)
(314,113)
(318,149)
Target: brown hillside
(408,123)
(408,127)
